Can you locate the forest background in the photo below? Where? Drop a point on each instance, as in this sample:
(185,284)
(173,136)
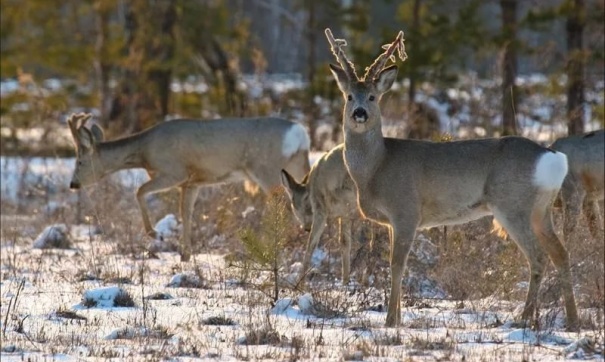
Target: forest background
(134,63)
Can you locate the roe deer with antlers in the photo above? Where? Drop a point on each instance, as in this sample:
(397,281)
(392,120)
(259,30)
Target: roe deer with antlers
(327,192)
(409,185)
(583,187)
(187,154)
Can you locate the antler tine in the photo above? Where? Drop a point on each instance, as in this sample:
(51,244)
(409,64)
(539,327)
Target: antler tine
(76,121)
(336,45)
(381,60)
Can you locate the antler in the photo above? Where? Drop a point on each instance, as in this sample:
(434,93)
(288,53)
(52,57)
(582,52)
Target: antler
(336,45)
(380,62)
(76,121)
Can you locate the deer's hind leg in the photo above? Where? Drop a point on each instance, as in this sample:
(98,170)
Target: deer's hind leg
(187,203)
(533,231)
(542,225)
(517,224)
(572,197)
(592,213)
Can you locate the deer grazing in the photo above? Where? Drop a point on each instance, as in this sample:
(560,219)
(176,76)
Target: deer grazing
(187,154)
(326,192)
(410,184)
(583,187)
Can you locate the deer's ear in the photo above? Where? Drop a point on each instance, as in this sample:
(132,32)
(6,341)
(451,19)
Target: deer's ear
(97,133)
(385,79)
(342,79)
(288,182)
(85,138)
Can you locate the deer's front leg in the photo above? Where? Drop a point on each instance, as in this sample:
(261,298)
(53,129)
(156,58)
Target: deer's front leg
(187,203)
(345,248)
(154,185)
(401,236)
(317,228)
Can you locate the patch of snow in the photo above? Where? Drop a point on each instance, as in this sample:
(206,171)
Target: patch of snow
(168,227)
(581,348)
(282,305)
(8,86)
(306,304)
(104,297)
(248,210)
(132,332)
(528,336)
(185,280)
(53,236)
(319,255)
(296,267)
(85,231)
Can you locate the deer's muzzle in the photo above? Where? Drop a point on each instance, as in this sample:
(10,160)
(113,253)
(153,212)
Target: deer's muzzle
(360,115)
(74,185)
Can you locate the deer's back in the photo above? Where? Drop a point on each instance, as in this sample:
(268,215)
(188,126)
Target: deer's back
(450,182)
(331,187)
(215,150)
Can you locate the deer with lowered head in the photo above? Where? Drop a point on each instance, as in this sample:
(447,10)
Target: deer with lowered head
(187,154)
(584,185)
(408,185)
(326,192)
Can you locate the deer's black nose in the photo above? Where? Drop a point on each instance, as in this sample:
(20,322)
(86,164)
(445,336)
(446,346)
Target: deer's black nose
(74,185)
(360,115)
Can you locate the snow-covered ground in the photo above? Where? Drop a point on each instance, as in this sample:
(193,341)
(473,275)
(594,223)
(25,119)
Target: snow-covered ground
(49,312)
(91,301)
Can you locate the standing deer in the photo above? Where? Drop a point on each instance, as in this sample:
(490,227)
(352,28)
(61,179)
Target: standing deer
(409,185)
(187,154)
(326,192)
(583,187)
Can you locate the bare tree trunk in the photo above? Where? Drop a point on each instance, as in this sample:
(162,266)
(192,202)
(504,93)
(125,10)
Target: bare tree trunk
(143,96)
(101,62)
(161,76)
(122,113)
(311,44)
(575,67)
(509,66)
(414,28)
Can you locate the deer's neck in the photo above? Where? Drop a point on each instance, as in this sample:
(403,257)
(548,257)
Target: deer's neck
(364,153)
(121,154)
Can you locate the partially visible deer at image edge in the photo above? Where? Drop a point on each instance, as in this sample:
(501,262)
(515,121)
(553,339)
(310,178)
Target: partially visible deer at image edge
(187,154)
(411,184)
(583,187)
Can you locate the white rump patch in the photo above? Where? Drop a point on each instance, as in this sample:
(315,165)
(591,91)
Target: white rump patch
(296,139)
(551,170)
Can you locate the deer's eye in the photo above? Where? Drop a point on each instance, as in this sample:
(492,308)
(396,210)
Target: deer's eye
(372,98)
(350,97)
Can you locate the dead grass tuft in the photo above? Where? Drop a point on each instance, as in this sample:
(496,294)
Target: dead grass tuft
(218,321)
